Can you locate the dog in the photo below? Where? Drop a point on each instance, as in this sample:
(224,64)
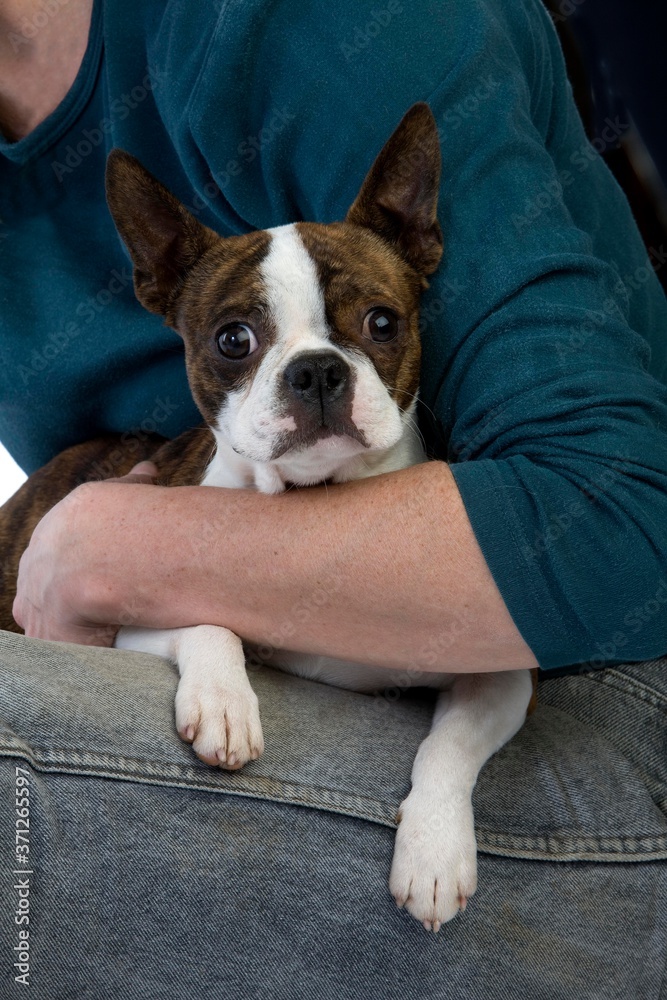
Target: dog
(302,350)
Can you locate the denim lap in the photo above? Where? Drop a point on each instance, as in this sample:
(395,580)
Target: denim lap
(156,876)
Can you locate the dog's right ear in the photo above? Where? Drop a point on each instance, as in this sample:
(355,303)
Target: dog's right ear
(163,238)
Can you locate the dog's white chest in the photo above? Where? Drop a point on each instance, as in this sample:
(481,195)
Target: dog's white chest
(341,673)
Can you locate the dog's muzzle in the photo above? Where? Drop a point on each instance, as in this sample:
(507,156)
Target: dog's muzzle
(318,388)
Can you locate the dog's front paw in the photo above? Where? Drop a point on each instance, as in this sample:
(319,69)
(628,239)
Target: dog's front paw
(222,723)
(434,871)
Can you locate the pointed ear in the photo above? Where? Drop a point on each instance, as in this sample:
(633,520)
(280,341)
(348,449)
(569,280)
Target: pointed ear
(399,198)
(163,238)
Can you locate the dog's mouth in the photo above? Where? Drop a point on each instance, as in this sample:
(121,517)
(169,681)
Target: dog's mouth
(336,432)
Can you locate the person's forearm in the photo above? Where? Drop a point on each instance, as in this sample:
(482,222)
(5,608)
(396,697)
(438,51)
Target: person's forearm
(384,571)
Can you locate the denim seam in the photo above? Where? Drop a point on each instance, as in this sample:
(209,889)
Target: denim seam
(630,685)
(570,847)
(179,775)
(552,847)
(118,765)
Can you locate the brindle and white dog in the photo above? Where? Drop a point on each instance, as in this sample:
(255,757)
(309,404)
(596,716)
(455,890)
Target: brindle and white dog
(302,351)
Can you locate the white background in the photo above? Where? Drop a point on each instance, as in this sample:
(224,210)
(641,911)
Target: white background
(11,476)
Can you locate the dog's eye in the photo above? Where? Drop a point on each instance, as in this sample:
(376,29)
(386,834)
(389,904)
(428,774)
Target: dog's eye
(237,341)
(381,325)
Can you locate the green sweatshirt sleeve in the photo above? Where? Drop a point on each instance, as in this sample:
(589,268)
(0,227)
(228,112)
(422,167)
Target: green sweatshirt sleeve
(544,330)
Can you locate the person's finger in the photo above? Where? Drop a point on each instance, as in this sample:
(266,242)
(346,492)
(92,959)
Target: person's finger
(142,472)
(144,469)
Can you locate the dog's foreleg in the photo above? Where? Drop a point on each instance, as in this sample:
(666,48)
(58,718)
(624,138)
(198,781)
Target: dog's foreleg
(434,871)
(216,708)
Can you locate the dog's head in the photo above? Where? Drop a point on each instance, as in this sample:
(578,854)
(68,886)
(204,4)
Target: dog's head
(302,342)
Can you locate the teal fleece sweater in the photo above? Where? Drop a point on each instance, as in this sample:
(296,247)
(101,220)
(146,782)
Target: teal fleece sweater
(544,331)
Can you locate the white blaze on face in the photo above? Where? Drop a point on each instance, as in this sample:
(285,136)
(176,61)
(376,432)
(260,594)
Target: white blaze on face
(253,419)
(294,293)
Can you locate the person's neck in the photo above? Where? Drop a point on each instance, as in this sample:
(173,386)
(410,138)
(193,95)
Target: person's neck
(41,49)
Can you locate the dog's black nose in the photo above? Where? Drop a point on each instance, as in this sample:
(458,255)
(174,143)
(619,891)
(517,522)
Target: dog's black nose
(317,377)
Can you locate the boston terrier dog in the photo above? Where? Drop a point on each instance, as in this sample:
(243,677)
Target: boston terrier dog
(302,350)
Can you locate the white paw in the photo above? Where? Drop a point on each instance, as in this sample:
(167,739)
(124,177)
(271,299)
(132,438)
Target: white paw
(434,871)
(221,722)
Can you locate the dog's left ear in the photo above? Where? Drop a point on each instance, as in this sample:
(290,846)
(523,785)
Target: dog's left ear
(399,198)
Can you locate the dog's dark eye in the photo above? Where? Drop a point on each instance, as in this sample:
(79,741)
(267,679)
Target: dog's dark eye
(237,341)
(381,325)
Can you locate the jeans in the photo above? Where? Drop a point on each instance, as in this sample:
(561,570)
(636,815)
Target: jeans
(151,876)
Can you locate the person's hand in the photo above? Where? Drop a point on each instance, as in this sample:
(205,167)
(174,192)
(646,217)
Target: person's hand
(61,589)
